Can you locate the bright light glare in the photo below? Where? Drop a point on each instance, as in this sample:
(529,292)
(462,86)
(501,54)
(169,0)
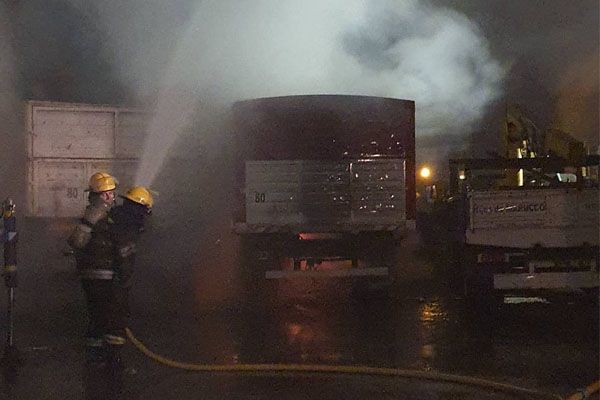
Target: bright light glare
(425,172)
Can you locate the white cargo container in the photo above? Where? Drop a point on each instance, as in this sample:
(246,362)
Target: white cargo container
(67,143)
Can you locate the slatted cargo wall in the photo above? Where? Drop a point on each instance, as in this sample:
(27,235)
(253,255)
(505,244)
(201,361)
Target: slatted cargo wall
(67,143)
(319,193)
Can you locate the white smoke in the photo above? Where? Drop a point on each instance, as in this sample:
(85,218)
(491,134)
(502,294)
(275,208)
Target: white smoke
(403,49)
(11,141)
(7,70)
(409,49)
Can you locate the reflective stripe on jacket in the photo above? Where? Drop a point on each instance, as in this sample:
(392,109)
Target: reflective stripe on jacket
(92,273)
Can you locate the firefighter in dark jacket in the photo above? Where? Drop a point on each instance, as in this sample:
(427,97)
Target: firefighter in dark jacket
(93,248)
(128,221)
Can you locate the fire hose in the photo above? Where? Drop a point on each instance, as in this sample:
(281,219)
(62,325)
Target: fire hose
(586,393)
(341,369)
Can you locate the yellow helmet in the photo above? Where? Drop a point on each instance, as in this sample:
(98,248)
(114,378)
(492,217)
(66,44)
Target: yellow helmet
(140,195)
(102,182)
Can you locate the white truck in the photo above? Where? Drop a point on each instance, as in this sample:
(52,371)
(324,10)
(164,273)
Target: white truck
(326,184)
(541,237)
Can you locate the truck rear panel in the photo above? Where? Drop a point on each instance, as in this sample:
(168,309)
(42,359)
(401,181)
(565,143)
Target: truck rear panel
(322,135)
(535,238)
(325,196)
(546,217)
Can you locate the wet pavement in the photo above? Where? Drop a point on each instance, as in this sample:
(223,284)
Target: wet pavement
(189,303)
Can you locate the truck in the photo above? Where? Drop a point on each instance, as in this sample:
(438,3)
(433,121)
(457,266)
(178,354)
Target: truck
(325,185)
(537,237)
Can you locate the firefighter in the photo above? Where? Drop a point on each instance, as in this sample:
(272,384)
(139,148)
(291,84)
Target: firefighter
(128,220)
(93,251)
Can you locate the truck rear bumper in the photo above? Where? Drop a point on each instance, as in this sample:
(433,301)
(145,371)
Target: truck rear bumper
(243,228)
(547,280)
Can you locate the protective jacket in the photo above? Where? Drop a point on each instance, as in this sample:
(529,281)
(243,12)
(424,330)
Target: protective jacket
(91,240)
(127,221)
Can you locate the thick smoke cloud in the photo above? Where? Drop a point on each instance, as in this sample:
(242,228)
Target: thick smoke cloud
(117,51)
(8,83)
(12,141)
(60,48)
(234,50)
(386,48)
(577,107)
(122,51)
(139,38)
(433,55)
(553,48)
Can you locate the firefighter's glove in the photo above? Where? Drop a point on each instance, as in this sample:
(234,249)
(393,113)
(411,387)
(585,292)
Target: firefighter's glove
(80,237)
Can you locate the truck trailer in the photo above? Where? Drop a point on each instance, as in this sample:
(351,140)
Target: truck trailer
(325,184)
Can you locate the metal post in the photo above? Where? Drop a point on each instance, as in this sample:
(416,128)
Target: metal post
(11,303)
(12,358)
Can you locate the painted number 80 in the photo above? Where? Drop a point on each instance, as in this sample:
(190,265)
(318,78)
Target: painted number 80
(259,197)
(72,193)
